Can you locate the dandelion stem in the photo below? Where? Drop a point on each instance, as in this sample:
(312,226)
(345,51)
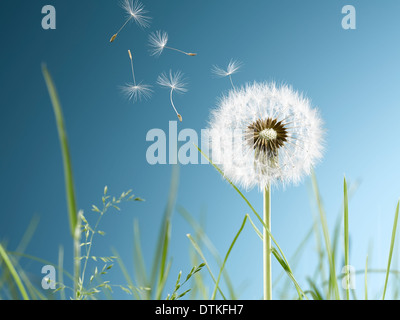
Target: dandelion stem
(124,25)
(173,106)
(187,53)
(133,71)
(230,78)
(267,246)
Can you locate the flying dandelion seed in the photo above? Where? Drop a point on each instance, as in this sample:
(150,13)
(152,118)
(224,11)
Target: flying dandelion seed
(266,135)
(233,67)
(135,11)
(136,91)
(174,82)
(158,41)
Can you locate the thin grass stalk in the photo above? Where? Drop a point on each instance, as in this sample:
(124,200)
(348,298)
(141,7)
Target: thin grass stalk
(60,268)
(227,256)
(333,285)
(157,272)
(78,282)
(391,249)
(366,279)
(126,274)
(346,239)
(267,246)
(201,236)
(200,253)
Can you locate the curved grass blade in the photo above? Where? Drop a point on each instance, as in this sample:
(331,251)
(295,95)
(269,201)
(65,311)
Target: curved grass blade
(69,181)
(202,236)
(227,256)
(391,248)
(316,293)
(13,272)
(197,248)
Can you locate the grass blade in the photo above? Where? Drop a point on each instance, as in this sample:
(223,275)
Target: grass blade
(138,259)
(227,256)
(366,279)
(200,253)
(159,261)
(60,270)
(391,248)
(333,285)
(69,182)
(13,272)
(202,237)
(346,239)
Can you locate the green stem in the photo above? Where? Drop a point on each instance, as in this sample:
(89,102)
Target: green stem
(13,272)
(77,259)
(267,246)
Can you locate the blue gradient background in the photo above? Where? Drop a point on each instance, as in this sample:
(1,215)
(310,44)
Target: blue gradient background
(352,76)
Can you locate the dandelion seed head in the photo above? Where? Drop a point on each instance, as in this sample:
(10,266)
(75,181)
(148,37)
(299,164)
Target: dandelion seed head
(233,67)
(158,41)
(268,134)
(137,92)
(264,134)
(174,81)
(136,10)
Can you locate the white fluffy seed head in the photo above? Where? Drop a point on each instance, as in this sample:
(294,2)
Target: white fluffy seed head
(233,67)
(136,11)
(157,41)
(238,155)
(174,81)
(137,92)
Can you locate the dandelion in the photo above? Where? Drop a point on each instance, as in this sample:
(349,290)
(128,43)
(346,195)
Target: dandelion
(135,11)
(233,67)
(136,91)
(158,42)
(174,82)
(266,135)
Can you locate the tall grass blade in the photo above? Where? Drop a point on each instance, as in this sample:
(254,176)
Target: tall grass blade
(60,270)
(159,261)
(69,181)
(227,256)
(391,249)
(333,285)
(138,259)
(366,279)
(164,269)
(346,239)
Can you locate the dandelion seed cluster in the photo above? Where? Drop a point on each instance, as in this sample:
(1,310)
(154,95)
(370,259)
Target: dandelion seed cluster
(266,135)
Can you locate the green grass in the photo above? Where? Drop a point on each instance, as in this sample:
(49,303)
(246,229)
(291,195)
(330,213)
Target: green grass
(89,278)
(396,217)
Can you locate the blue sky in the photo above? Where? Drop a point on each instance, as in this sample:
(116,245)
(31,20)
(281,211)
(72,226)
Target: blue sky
(350,75)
